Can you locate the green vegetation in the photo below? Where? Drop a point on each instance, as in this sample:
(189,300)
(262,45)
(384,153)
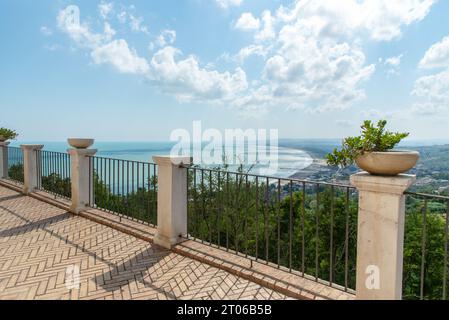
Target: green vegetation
(140,204)
(15,172)
(54,183)
(222,210)
(372,139)
(249,217)
(8,134)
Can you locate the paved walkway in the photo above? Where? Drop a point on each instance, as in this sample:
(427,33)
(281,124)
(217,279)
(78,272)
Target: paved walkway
(42,247)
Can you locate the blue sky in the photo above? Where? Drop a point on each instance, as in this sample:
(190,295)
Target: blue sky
(136,70)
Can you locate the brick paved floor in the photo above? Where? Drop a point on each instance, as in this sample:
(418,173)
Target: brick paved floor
(40,244)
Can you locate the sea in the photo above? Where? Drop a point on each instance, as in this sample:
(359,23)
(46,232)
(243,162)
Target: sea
(293,155)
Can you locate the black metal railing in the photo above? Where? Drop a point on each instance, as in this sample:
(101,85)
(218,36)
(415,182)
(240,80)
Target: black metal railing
(426,247)
(15,164)
(124,187)
(305,227)
(54,173)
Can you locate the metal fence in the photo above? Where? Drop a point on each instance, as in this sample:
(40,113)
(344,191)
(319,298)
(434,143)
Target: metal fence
(304,227)
(15,164)
(124,187)
(54,173)
(426,246)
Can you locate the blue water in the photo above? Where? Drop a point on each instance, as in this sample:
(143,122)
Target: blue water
(289,160)
(291,157)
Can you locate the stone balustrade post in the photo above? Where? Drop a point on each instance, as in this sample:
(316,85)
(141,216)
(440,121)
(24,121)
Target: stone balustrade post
(82,178)
(4,159)
(380,237)
(30,167)
(171,200)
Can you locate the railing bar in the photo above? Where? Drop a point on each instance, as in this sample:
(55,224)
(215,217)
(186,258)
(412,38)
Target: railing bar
(257,218)
(195,198)
(347,240)
(235,210)
(303,217)
(247,187)
(299,181)
(202,201)
(317,232)
(279,222)
(209,224)
(110,184)
(290,228)
(446,227)
(220,208)
(266,221)
(90,182)
(331,250)
(423,249)
(227,213)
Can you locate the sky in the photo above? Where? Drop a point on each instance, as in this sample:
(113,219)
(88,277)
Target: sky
(137,70)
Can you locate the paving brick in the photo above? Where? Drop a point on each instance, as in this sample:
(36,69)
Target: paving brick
(39,242)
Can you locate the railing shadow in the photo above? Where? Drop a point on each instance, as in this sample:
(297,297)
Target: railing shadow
(32,226)
(7,198)
(119,274)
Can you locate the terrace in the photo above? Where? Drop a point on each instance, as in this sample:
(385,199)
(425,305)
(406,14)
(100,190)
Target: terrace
(77,226)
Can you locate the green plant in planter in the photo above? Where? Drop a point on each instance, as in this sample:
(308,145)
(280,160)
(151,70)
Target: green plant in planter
(372,139)
(8,134)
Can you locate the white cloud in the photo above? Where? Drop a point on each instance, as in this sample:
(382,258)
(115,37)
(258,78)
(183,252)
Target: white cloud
(381,19)
(118,54)
(307,70)
(81,33)
(317,62)
(394,61)
(251,50)
(136,24)
(167,37)
(225,4)
(46,31)
(437,56)
(184,78)
(247,22)
(393,64)
(105,8)
(188,81)
(267,31)
(122,17)
(433,89)
(103,49)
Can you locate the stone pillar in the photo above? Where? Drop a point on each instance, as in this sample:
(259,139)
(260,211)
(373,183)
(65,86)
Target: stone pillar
(30,169)
(171,200)
(380,238)
(82,180)
(4,159)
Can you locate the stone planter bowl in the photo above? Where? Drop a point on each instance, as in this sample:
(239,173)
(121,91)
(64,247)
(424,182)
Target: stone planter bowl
(80,143)
(2,139)
(387,163)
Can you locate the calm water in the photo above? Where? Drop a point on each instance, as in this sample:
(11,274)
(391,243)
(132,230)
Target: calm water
(289,161)
(291,155)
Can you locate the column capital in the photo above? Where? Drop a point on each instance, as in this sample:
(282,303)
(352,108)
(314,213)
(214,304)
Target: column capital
(31,147)
(82,152)
(4,143)
(396,185)
(172,160)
